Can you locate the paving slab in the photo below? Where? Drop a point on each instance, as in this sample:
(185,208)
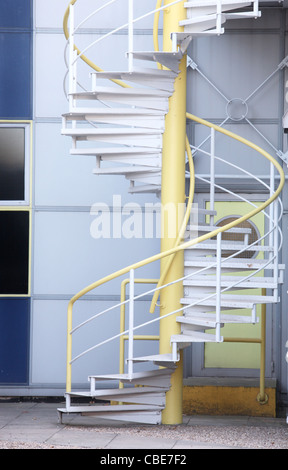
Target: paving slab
(35,425)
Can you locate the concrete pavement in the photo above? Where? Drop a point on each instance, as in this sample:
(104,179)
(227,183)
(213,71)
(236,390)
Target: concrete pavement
(35,425)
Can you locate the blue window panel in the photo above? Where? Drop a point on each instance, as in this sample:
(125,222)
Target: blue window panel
(14,341)
(15,75)
(15,13)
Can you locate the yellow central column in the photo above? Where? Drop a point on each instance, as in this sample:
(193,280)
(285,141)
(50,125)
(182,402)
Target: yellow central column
(172,199)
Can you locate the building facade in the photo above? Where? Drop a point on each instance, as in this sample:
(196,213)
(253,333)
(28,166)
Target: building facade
(50,200)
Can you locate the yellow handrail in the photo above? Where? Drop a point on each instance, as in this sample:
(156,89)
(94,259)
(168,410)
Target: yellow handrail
(183,246)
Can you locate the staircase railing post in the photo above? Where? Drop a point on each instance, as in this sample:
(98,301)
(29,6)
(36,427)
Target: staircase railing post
(219,17)
(276,248)
(212,174)
(218,288)
(273,229)
(130,34)
(72,63)
(131,323)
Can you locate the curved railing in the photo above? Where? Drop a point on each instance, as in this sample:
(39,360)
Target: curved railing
(131,269)
(180,246)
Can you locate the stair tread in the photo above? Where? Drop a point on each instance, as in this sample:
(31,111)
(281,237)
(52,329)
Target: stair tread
(119,391)
(112,131)
(211,318)
(151,73)
(235,262)
(229,246)
(258,281)
(126,170)
(198,19)
(110,91)
(194,337)
(197,321)
(210,228)
(156,357)
(147,151)
(147,188)
(135,376)
(200,3)
(168,59)
(114,111)
(110,408)
(227,299)
(240,15)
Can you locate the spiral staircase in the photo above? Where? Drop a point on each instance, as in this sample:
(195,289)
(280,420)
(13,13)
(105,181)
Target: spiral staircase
(122,126)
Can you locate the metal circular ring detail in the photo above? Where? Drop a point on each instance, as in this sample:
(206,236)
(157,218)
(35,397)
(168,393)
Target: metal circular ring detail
(237,109)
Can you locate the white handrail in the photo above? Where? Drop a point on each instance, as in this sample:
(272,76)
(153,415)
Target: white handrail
(126,25)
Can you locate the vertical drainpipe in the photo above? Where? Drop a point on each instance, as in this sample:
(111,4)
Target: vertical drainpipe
(173,196)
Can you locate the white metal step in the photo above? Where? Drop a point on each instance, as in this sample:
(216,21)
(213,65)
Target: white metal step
(126,170)
(230,301)
(158,79)
(201,24)
(158,359)
(254,282)
(203,317)
(137,377)
(198,322)
(209,9)
(149,414)
(148,177)
(211,228)
(194,337)
(152,188)
(183,37)
(110,131)
(128,136)
(199,19)
(142,160)
(226,246)
(101,92)
(242,15)
(143,98)
(168,59)
(224,3)
(136,395)
(133,117)
(248,264)
(118,151)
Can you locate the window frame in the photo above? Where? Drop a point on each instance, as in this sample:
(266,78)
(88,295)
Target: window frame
(27,126)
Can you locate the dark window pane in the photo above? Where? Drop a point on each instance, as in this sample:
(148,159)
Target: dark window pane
(14,341)
(14,252)
(12,164)
(15,14)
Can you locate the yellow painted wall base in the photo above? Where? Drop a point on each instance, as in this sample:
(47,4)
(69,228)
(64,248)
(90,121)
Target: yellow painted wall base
(226,400)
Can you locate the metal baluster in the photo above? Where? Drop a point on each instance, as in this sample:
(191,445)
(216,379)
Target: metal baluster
(212,174)
(130,34)
(131,324)
(218,288)
(219,17)
(72,63)
(275,249)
